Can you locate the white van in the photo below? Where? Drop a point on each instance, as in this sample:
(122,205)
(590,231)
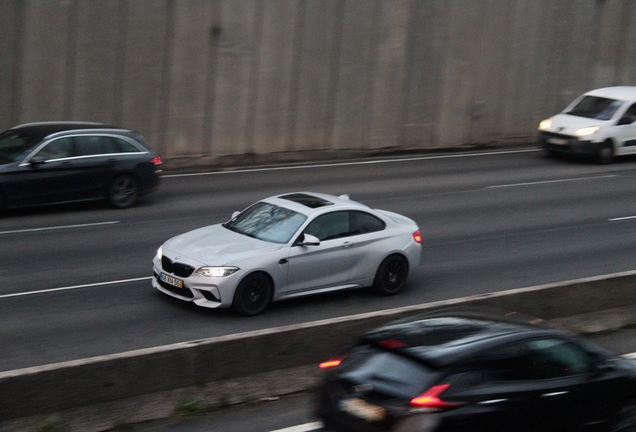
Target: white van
(600,123)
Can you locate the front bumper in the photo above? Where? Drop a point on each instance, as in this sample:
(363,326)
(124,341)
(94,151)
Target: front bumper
(202,291)
(567,144)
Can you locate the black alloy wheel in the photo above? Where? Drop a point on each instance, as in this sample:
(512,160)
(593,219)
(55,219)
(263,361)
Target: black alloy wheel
(391,275)
(253,295)
(123,191)
(625,420)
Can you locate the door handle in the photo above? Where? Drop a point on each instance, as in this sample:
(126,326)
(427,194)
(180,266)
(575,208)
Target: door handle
(491,401)
(347,244)
(554,394)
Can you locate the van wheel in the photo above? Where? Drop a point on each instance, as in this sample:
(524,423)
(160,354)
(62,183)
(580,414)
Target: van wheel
(123,191)
(605,154)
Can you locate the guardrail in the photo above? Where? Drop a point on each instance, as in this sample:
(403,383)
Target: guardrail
(57,387)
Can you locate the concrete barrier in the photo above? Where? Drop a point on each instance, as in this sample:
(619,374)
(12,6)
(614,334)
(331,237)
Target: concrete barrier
(87,382)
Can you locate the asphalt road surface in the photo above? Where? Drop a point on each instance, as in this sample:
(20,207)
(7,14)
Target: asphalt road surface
(75,280)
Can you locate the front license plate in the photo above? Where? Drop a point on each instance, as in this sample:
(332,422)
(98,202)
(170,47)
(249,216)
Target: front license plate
(557,141)
(170,280)
(362,409)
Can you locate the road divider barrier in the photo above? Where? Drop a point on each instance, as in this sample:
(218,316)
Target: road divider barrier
(43,390)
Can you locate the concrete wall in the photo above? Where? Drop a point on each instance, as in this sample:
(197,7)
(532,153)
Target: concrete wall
(229,77)
(53,388)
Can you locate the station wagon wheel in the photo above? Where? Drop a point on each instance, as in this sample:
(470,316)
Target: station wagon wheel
(605,153)
(123,191)
(253,294)
(625,420)
(391,275)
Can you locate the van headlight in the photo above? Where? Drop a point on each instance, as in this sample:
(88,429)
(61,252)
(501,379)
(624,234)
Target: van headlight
(545,124)
(586,131)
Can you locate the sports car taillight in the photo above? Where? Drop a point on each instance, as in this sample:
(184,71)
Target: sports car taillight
(331,363)
(156,160)
(417,237)
(430,398)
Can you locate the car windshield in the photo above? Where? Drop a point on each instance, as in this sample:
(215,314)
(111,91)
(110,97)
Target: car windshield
(267,222)
(596,108)
(15,145)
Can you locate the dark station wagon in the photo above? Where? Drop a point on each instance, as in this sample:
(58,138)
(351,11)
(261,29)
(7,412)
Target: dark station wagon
(57,162)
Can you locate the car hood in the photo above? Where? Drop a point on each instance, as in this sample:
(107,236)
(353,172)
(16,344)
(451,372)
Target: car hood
(567,124)
(216,245)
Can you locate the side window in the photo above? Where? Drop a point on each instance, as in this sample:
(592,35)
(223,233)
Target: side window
(538,360)
(362,223)
(329,226)
(57,149)
(124,146)
(556,358)
(629,116)
(94,145)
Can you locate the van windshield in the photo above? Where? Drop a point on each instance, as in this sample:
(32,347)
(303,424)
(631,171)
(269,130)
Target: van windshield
(596,108)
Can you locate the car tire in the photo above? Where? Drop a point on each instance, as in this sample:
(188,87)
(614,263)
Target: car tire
(625,418)
(605,154)
(253,295)
(391,275)
(123,191)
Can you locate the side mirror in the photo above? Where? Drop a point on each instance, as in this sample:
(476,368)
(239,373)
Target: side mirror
(36,160)
(235,214)
(309,240)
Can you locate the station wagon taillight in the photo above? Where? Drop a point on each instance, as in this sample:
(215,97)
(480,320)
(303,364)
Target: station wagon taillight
(417,237)
(156,160)
(431,398)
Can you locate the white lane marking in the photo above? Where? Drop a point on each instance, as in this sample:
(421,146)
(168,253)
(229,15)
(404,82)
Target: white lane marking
(59,227)
(73,287)
(550,181)
(302,428)
(335,164)
(621,218)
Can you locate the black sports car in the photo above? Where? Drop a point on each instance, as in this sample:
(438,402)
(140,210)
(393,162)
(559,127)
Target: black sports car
(461,373)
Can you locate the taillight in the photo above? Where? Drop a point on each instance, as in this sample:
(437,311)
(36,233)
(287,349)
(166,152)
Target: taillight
(332,363)
(392,344)
(430,398)
(156,160)
(417,237)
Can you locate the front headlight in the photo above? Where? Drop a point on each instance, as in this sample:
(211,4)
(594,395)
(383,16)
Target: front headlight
(586,131)
(217,271)
(159,253)
(545,124)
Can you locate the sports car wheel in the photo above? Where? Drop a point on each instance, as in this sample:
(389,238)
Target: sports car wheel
(253,295)
(123,191)
(625,420)
(391,275)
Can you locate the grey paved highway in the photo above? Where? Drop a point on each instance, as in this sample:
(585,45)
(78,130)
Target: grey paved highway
(74,280)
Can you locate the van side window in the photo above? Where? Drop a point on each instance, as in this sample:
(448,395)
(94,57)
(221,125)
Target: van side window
(629,116)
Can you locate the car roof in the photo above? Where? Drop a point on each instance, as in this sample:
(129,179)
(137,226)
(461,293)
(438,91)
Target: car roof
(308,203)
(626,93)
(44,129)
(446,340)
